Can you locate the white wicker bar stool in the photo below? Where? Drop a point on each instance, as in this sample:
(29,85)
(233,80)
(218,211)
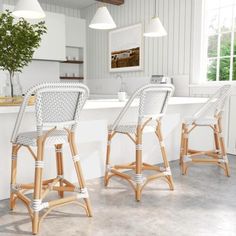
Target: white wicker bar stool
(209,115)
(153,100)
(57,108)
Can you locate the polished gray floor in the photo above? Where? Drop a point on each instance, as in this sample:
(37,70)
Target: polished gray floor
(203,204)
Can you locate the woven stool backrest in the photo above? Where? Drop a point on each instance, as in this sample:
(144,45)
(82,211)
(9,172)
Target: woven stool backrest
(215,104)
(56,105)
(152,102)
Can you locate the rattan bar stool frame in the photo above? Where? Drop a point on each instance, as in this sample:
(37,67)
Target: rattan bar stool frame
(153,100)
(53,111)
(218,156)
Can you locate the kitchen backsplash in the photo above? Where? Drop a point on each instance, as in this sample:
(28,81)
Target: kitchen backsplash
(112,85)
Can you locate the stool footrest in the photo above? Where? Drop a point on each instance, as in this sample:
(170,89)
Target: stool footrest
(199,160)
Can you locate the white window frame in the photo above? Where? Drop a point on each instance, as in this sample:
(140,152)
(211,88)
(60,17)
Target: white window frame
(199,57)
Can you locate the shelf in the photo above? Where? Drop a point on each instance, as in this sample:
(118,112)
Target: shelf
(73,67)
(73,62)
(71,77)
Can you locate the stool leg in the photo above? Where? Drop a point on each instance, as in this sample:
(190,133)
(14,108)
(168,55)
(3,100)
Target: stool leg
(223,149)
(60,169)
(107,159)
(164,156)
(78,169)
(38,184)
(181,145)
(185,149)
(216,138)
(13,175)
(138,163)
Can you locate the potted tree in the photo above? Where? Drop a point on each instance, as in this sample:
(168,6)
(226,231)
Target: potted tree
(18,41)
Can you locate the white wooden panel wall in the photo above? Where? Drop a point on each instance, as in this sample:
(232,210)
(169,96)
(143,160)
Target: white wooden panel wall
(51,5)
(169,55)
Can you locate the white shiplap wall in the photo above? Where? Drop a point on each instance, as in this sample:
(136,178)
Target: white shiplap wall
(169,55)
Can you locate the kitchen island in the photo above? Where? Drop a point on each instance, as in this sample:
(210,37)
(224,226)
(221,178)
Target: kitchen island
(92,139)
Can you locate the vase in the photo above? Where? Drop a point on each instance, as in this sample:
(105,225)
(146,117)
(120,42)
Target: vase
(121,96)
(11,90)
(13,86)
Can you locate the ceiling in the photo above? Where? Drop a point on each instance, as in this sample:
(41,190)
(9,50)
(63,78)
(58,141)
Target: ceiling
(70,3)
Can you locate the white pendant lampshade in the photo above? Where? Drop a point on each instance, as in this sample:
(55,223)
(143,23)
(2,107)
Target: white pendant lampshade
(29,9)
(155,28)
(102,20)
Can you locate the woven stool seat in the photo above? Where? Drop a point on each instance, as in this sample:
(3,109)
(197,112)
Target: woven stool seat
(53,138)
(131,128)
(202,121)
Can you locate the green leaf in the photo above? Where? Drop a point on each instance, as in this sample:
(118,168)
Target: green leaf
(18,41)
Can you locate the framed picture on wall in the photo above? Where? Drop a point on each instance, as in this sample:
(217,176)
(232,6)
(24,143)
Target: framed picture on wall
(125,49)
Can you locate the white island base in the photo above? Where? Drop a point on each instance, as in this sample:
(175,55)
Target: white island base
(92,140)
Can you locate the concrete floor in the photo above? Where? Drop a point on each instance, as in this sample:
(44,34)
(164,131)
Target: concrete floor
(203,204)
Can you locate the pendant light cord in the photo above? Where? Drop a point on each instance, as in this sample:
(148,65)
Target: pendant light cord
(155,8)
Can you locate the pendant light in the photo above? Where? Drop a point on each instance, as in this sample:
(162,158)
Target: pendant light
(155,27)
(29,9)
(102,20)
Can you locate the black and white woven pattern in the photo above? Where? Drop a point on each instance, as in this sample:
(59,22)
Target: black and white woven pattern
(152,102)
(131,128)
(54,137)
(57,106)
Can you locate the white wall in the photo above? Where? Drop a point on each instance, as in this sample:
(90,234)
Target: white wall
(169,55)
(36,72)
(41,71)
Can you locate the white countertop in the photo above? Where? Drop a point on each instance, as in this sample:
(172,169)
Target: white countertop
(111,103)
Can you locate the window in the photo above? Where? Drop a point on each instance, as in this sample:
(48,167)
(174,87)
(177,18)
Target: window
(221,40)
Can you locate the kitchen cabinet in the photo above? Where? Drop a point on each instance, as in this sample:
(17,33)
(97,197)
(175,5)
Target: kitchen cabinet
(53,43)
(52,46)
(75,32)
